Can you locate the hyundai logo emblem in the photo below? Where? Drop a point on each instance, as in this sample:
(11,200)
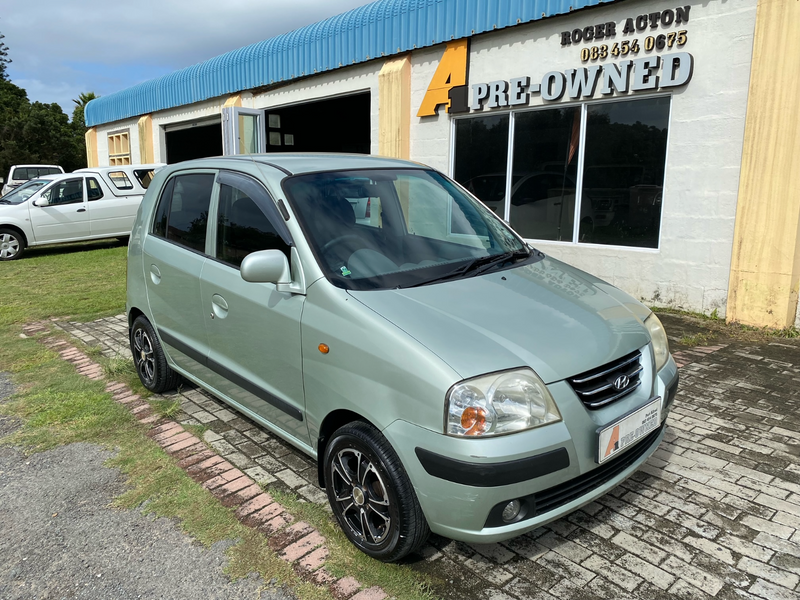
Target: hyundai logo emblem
(621,382)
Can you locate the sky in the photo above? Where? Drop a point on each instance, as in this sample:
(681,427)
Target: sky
(60,49)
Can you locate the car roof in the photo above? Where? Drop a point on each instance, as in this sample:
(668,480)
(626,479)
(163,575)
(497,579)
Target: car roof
(37,165)
(298,163)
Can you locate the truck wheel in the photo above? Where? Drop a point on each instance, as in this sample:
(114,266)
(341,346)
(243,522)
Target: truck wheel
(371,495)
(149,358)
(12,244)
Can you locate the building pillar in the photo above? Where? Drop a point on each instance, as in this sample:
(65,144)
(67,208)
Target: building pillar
(394,108)
(91,147)
(146,148)
(765,265)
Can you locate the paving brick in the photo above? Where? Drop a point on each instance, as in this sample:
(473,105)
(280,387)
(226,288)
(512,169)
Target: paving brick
(196,459)
(254,505)
(177,446)
(301,547)
(314,560)
(759,569)
(658,577)
(223,478)
(276,524)
(233,486)
(345,587)
(770,591)
(322,578)
(691,574)
(373,593)
(642,549)
(614,573)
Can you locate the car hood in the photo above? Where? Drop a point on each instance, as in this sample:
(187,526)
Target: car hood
(549,316)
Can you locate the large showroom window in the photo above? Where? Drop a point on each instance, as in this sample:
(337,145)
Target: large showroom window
(482,158)
(583,174)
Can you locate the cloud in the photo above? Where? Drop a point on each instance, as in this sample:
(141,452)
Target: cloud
(60,49)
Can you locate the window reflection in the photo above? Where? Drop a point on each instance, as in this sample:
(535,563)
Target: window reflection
(623,177)
(546,144)
(481,158)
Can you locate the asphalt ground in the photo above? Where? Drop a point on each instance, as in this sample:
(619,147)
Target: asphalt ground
(60,538)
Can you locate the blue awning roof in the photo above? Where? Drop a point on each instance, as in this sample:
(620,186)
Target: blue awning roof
(383,28)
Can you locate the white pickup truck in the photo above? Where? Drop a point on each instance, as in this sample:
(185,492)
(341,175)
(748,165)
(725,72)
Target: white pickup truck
(88,204)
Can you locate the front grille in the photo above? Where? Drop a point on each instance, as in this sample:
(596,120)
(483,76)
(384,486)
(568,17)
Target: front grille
(550,499)
(604,385)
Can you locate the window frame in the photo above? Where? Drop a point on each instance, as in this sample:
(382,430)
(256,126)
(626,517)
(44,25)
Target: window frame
(118,141)
(583,105)
(99,187)
(212,211)
(56,184)
(266,204)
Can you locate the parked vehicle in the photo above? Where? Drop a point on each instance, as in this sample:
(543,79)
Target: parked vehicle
(86,205)
(19,174)
(458,382)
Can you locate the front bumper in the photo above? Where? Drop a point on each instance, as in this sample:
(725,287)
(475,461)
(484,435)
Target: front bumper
(551,470)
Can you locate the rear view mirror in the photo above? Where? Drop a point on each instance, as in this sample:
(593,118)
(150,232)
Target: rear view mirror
(41,202)
(266,266)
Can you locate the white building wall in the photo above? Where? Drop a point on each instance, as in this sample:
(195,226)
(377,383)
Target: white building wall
(692,266)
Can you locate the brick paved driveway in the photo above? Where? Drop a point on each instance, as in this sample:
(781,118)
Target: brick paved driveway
(714,513)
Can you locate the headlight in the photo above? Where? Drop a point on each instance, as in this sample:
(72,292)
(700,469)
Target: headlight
(499,403)
(659,338)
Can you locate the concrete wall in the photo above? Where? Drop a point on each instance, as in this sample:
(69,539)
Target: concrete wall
(691,268)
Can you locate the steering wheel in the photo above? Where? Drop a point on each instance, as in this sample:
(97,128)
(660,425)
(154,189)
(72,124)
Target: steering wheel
(338,240)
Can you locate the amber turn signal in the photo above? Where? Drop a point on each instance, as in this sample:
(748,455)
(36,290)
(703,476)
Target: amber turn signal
(324,348)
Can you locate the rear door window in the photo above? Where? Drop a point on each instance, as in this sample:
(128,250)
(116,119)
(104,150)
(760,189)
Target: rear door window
(182,214)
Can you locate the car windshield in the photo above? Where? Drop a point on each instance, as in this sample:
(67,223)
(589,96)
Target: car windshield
(383,229)
(23,192)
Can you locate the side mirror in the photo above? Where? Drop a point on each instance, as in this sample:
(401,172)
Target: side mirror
(41,202)
(266,266)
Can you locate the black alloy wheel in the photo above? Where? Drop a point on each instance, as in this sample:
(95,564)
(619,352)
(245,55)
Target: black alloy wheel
(149,358)
(371,495)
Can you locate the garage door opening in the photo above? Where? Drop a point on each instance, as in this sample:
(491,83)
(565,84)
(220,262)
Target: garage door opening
(194,141)
(334,125)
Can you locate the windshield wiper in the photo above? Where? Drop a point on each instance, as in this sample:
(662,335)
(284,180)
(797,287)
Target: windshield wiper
(476,266)
(5,201)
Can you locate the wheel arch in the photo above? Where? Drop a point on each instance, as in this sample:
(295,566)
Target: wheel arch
(333,421)
(17,230)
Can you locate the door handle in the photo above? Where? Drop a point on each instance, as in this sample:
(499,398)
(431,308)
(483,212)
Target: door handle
(155,274)
(219,306)
(81,210)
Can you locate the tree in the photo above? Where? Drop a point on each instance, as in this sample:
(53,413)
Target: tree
(80,104)
(35,132)
(4,60)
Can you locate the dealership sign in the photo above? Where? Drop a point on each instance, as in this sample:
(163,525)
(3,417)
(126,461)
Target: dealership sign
(640,69)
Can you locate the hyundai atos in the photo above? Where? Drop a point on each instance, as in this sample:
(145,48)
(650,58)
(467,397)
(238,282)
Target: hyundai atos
(444,375)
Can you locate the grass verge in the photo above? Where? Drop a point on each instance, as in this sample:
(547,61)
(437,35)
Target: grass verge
(58,406)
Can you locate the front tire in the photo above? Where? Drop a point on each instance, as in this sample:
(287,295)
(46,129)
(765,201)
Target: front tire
(12,244)
(370,494)
(148,356)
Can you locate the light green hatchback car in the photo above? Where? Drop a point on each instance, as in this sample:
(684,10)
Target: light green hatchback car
(444,375)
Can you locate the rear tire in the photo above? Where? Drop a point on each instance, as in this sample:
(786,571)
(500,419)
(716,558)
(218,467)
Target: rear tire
(12,244)
(370,494)
(148,356)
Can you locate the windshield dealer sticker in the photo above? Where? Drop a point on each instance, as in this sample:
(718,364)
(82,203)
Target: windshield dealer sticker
(345,271)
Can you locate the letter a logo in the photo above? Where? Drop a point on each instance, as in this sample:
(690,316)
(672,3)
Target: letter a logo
(451,72)
(613,443)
